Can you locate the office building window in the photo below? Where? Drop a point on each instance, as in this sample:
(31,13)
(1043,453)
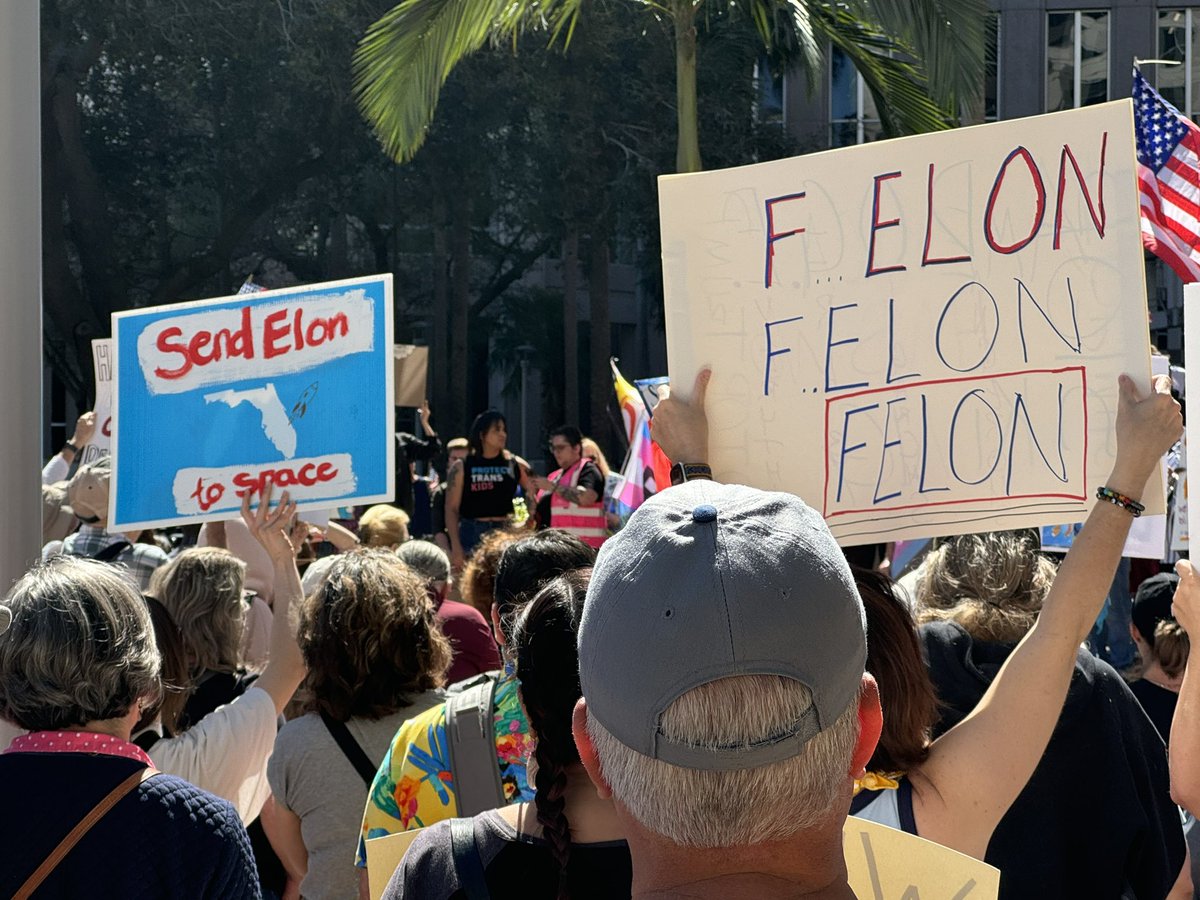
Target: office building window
(1076,59)
(853,118)
(770,93)
(1177,43)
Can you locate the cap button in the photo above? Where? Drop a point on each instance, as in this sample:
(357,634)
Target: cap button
(704,513)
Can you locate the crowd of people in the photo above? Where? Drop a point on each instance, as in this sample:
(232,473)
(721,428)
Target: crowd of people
(690,707)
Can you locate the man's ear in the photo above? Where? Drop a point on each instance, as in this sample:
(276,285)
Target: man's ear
(870,726)
(587,750)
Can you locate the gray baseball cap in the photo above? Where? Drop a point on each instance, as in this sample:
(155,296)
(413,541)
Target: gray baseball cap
(709,581)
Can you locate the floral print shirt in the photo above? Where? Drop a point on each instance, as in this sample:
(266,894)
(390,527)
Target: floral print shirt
(414,787)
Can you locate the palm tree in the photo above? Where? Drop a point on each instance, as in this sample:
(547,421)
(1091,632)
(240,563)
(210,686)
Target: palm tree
(922,60)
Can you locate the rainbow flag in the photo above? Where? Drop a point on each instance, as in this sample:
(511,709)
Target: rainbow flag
(646,469)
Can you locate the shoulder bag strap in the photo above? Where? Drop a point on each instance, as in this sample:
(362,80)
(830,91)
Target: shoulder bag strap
(471,737)
(468,865)
(112,551)
(85,824)
(349,746)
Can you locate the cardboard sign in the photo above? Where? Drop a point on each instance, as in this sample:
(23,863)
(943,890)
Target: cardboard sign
(881,863)
(921,336)
(412,371)
(102,368)
(218,397)
(1147,535)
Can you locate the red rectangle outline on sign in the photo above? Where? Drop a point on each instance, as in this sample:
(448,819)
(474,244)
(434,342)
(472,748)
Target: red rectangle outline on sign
(829,401)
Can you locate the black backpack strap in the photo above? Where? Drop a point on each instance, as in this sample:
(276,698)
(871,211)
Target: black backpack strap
(468,865)
(471,737)
(112,551)
(349,746)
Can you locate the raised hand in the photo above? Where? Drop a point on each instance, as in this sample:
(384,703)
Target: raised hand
(271,527)
(680,427)
(1185,606)
(1146,428)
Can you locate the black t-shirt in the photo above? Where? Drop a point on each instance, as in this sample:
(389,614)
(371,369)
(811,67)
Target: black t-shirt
(590,478)
(489,485)
(1159,704)
(515,866)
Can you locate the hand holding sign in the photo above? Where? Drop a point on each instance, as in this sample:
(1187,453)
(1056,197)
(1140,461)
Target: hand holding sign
(1146,429)
(85,427)
(680,427)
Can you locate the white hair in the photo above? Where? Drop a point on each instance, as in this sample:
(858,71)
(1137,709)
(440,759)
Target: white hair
(701,808)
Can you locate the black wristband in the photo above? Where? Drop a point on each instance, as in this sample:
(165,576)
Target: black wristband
(70,446)
(681,472)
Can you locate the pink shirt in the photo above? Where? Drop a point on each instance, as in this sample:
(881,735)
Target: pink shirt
(77,742)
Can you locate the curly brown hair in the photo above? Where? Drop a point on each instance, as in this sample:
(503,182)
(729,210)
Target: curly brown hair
(370,638)
(479,574)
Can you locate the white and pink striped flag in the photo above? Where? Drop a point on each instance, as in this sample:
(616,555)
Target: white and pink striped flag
(1168,150)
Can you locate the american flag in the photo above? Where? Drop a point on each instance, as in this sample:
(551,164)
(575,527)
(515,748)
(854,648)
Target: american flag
(1168,151)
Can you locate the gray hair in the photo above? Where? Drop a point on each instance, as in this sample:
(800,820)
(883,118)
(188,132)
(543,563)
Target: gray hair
(427,559)
(80,647)
(202,590)
(702,808)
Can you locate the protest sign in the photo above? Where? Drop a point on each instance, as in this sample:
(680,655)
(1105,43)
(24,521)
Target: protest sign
(922,336)
(881,864)
(412,368)
(102,370)
(1191,350)
(219,397)
(1148,534)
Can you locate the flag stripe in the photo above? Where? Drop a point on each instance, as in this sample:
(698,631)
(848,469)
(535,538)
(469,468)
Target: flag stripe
(1168,180)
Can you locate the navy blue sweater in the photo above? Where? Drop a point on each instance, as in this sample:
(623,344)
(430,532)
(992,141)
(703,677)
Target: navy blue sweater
(165,838)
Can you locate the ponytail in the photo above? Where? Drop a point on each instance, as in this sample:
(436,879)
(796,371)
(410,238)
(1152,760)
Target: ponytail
(1171,646)
(547,660)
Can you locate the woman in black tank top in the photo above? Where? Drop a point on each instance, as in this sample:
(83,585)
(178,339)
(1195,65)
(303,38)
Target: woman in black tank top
(480,489)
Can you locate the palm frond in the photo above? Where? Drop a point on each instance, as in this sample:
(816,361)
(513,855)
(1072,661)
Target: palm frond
(947,37)
(898,86)
(405,57)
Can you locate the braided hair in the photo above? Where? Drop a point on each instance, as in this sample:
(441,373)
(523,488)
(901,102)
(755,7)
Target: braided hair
(544,643)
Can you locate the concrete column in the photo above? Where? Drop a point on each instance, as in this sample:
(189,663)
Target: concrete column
(20,289)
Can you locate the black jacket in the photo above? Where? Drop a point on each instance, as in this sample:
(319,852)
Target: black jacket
(1096,819)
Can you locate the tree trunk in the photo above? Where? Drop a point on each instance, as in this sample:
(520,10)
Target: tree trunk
(601,347)
(440,315)
(460,306)
(687,146)
(570,264)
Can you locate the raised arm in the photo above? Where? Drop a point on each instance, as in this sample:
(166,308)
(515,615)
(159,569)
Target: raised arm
(454,489)
(271,528)
(1007,732)
(1185,726)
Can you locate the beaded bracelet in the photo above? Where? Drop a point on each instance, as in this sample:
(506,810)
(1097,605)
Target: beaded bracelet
(1126,503)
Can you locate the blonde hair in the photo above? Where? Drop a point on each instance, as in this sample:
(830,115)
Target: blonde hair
(202,590)
(992,584)
(592,450)
(80,647)
(383,526)
(702,808)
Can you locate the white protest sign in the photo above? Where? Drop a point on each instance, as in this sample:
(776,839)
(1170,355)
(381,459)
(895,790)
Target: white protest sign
(1147,535)
(921,336)
(217,398)
(102,370)
(1191,363)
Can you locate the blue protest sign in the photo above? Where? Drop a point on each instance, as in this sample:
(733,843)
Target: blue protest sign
(218,397)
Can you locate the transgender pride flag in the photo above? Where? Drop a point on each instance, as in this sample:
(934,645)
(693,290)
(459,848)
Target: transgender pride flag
(646,468)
